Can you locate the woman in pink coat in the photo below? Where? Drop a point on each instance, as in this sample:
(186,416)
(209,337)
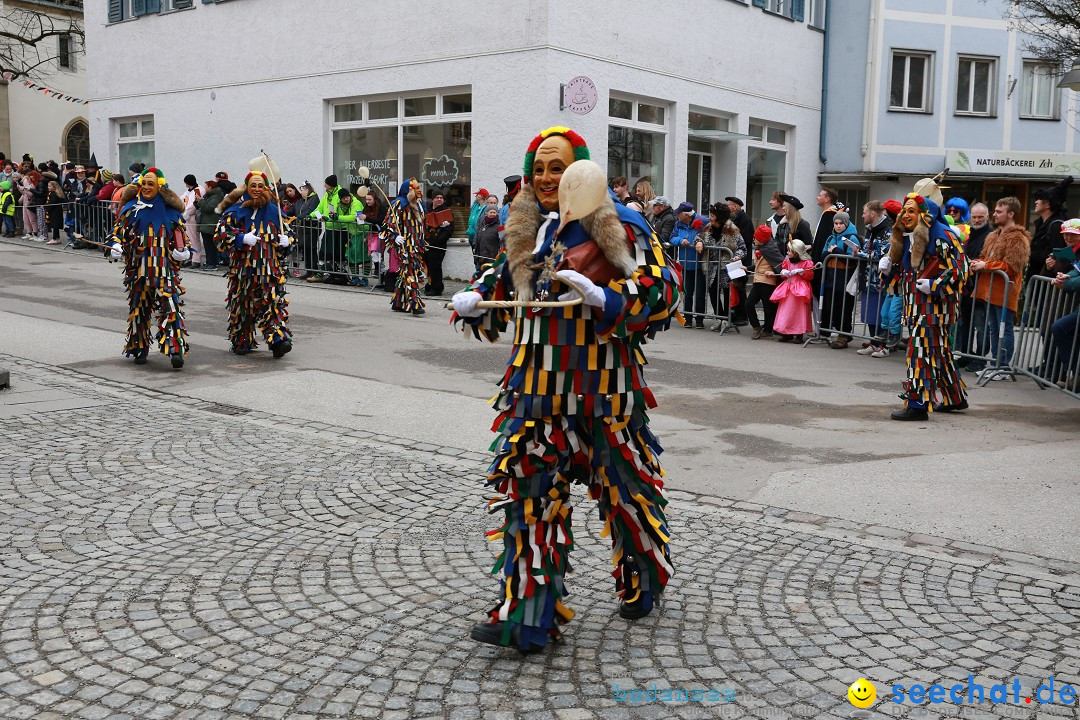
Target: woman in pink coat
(794,295)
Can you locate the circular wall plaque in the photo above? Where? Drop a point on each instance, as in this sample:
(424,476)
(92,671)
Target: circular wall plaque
(580,95)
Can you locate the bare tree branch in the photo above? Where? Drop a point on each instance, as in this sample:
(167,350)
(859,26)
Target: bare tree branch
(1050,29)
(30,39)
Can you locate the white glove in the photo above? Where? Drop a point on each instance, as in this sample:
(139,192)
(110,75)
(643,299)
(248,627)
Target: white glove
(786,272)
(284,241)
(115,252)
(797,271)
(445,223)
(399,240)
(317,215)
(465,303)
(923,285)
(884,265)
(594,295)
(181,256)
(251,239)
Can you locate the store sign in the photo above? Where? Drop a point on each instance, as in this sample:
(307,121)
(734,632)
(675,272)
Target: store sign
(1008,162)
(579,95)
(439,172)
(379,173)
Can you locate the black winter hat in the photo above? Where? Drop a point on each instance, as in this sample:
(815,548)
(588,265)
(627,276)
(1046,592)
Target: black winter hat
(1056,195)
(331,180)
(190,180)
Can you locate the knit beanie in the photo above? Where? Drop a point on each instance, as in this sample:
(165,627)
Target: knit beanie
(841,215)
(331,180)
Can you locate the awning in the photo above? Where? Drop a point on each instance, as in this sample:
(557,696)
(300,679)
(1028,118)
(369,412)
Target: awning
(718,135)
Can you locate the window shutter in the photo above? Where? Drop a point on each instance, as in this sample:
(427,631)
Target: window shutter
(182,4)
(138,7)
(798,8)
(760,3)
(116,10)
(153,6)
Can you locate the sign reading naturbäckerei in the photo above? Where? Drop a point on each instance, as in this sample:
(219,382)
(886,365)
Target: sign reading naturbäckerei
(1009,162)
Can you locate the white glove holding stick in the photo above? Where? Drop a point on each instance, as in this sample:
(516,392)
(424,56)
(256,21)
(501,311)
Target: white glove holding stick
(465,303)
(594,295)
(251,239)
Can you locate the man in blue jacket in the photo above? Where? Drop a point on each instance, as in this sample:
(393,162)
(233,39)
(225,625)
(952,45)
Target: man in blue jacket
(684,238)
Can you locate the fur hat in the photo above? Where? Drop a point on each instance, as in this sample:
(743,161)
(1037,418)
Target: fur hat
(1055,195)
(799,248)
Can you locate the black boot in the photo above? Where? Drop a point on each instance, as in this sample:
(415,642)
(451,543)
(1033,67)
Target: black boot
(281,348)
(637,609)
(177,361)
(140,357)
(492,634)
(910,414)
(943,408)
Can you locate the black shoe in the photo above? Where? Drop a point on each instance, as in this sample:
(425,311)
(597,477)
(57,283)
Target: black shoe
(241,351)
(281,348)
(637,609)
(910,414)
(418,311)
(177,361)
(397,309)
(140,359)
(491,633)
(942,407)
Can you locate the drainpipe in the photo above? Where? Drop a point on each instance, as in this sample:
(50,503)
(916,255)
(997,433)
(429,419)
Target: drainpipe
(871,55)
(824,88)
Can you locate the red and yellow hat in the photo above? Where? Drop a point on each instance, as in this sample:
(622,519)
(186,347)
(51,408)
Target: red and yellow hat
(154,172)
(581,150)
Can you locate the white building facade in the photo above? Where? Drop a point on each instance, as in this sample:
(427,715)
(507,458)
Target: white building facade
(47,118)
(453,93)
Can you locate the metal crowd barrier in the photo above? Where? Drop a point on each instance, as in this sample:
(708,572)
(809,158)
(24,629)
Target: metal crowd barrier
(838,311)
(1043,352)
(717,297)
(982,328)
(349,254)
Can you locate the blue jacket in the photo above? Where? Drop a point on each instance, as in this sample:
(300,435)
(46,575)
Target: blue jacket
(683,237)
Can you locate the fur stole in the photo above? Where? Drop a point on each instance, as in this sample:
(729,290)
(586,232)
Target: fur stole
(171,199)
(602,225)
(229,200)
(920,238)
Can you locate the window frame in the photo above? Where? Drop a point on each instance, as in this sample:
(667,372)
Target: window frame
(72,44)
(137,138)
(928,80)
(991,89)
(1055,92)
(813,11)
(401,122)
(634,124)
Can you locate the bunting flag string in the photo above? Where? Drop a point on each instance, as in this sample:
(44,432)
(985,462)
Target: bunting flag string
(55,94)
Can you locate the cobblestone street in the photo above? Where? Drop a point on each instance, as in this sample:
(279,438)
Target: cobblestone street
(166,557)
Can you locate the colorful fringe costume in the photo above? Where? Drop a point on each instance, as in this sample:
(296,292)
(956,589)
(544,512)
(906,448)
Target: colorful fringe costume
(572,408)
(257,276)
(932,252)
(405,221)
(146,233)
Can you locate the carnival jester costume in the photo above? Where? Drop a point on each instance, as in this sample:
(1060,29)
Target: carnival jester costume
(404,234)
(928,268)
(573,402)
(251,235)
(149,237)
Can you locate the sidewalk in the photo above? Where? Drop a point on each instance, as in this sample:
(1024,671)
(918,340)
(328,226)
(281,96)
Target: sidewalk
(169,557)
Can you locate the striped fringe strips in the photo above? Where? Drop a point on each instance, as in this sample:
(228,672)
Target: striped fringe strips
(152,278)
(412,274)
(537,461)
(256,301)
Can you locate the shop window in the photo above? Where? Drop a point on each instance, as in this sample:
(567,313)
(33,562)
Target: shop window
(817,14)
(637,141)
(135,141)
(1038,92)
(766,167)
(910,89)
(403,137)
(976,79)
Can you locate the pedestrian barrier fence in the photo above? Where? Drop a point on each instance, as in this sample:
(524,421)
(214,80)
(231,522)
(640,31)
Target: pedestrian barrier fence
(1048,346)
(985,326)
(709,283)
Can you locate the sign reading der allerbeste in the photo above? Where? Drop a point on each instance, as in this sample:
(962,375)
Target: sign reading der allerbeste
(1010,162)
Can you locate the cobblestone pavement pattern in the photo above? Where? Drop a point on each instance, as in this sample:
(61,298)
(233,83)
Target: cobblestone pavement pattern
(161,558)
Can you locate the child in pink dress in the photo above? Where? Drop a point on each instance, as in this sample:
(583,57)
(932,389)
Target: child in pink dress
(794,295)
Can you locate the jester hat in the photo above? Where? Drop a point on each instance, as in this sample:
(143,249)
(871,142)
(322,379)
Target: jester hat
(153,171)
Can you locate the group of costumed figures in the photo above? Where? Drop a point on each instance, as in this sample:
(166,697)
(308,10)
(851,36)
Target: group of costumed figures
(586,284)
(151,240)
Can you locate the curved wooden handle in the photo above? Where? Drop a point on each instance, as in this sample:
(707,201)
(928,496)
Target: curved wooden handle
(505,304)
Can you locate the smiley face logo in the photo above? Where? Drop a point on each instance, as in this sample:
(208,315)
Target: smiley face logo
(862,693)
